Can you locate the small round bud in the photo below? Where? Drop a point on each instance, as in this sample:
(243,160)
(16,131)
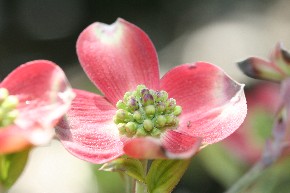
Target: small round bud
(155,132)
(137,116)
(116,120)
(170,120)
(10,103)
(121,105)
(144,91)
(2,114)
(8,110)
(161,96)
(148,125)
(3,94)
(141,132)
(127,96)
(131,128)
(160,121)
(150,110)
(147,99)
(133,104)
(177,110)
(160,107)
(121,114)
(170,104)
(122,129)
(140,88)
(11,115)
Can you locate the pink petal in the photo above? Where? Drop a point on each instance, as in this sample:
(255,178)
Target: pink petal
(117,58)
(44,95)
(12,140)
(144,148)
(261,100)
(180,146)
(88,131)
(281,58)
(172,145)
(214,105)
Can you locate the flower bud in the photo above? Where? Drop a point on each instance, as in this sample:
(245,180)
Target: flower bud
(170,104)
(123,115)
(144,91)
(141,132)
(140,88)
(3,94)
(147,99)
(133,104)
(148,125)
(170,120)
(177,110)
(131,128)
(137,116)
(161,96)
(121,105)
(160,121)
(155,132)
(122,129)
(150,110)
(160,107)
(9,103)
(127,96)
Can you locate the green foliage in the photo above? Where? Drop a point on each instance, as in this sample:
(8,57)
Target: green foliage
(261,124)
(129,166)
(164,175)
(274,179)
(224,167)
(11,167)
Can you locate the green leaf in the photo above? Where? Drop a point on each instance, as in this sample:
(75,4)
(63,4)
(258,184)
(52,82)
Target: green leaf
(221,165)
(106,179)
(11,167)
(164,175)
(129,166)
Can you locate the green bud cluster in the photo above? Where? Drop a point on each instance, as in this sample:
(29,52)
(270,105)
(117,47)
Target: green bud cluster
(8,111)
(145,112)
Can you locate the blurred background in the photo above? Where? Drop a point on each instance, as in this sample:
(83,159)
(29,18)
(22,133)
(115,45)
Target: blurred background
(222,32)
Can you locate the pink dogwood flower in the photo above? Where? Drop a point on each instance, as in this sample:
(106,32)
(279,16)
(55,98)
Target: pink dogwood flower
(141,115)
(33,98)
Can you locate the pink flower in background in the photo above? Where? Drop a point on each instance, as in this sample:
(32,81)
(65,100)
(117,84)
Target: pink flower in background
(265,102)
(32,99)
(276,69)
(248,141)
(141,115)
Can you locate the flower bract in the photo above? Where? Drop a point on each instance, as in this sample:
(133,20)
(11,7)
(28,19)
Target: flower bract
(276,69)
(198,105)
(33,98)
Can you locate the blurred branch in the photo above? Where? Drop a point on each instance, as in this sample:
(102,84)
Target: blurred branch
(273,150)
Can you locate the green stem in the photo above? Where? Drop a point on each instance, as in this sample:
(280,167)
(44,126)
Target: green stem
(247,180)
(141,187)
(130,184)
(3,167)
(2,189)
(3,172)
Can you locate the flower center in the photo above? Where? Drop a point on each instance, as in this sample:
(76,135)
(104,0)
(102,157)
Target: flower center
(8,111)
(145,112)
